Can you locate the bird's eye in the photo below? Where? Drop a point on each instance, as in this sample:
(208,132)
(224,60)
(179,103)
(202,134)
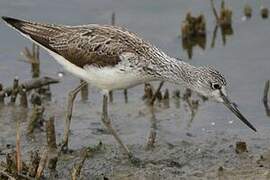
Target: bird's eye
(216,86)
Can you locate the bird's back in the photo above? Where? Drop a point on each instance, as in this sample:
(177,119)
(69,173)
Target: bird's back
(97,45)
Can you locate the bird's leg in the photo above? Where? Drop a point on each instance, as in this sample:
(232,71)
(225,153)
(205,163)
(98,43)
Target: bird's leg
(107,122)
(152,135)
(71,97)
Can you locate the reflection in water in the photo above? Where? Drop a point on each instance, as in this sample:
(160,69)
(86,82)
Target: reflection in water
(193,104)
(224,30)
(247,11)
(223,21)
(176,96)
(264,12)
(191,100)
(193,31)
(189,43)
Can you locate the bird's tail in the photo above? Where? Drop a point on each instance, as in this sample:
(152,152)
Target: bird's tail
(37,32)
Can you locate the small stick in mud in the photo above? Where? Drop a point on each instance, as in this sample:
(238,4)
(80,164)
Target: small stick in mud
(265,97)
(71,97)
(33,59)
(50,130)
(36,117)
(14,91)
(52,148)
(42,163)
(76,170)
(86,153)
(23,98)
(18,148)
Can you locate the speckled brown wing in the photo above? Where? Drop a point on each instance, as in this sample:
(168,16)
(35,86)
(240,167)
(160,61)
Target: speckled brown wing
(88,46)
(81,45)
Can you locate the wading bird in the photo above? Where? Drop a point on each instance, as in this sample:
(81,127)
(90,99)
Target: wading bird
(112,58)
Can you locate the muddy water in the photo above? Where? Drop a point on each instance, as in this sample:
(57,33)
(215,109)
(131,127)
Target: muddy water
(188,146)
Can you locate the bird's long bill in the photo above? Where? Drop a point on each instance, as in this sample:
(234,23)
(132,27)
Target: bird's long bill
(231,106)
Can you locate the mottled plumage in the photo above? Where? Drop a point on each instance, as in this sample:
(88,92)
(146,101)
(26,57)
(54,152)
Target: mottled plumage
(122,53)
(111,57)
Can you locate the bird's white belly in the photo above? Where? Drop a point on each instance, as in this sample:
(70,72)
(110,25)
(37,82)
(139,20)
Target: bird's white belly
(105,78)
(111,78)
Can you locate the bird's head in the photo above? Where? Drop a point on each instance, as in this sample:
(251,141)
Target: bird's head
(211,83)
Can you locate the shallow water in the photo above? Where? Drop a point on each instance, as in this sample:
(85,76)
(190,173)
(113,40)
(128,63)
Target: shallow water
(244,61)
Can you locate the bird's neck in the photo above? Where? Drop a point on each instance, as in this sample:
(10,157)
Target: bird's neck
(177,71)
